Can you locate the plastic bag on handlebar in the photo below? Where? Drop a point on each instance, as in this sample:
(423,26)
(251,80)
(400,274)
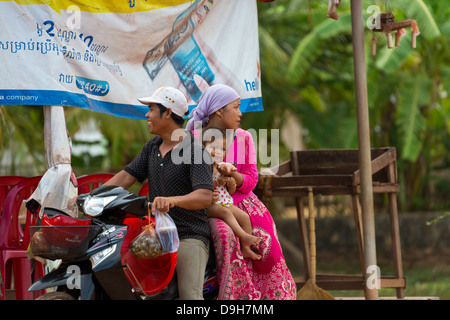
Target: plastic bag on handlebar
(167,232)
(146,245)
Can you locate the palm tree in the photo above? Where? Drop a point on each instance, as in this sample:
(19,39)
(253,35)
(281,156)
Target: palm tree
(21,140)
(412,100)
(305,70)
(22,135)
(406,87)
(125,136)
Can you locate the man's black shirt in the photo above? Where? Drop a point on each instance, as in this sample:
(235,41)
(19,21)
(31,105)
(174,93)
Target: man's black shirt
(185,168)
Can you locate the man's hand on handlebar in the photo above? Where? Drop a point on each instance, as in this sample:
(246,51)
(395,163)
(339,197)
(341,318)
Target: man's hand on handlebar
(163,204)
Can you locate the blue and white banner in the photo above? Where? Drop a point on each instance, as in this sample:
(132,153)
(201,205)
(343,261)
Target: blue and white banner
(102,55)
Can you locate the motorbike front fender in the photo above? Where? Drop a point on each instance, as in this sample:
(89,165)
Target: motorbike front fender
(57,277)
(64,277)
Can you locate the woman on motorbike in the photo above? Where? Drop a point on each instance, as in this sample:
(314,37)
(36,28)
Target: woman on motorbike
(241,278)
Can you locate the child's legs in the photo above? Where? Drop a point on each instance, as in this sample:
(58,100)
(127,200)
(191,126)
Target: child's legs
(224,213)
(242,218)
(246,238)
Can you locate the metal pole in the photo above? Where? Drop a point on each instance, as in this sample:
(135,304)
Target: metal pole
(365,166)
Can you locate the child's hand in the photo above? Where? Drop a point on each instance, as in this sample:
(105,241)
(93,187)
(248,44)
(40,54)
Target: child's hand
(221,181)
(231,185)
(225,168)
(215,197)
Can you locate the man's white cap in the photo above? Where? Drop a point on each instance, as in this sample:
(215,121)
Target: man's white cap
(170,98)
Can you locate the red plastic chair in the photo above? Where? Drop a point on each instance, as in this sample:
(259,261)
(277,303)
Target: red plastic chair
(14,241)
(89,182)
(6,183)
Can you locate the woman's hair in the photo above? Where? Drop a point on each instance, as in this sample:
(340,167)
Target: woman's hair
(178,120)
(210,134)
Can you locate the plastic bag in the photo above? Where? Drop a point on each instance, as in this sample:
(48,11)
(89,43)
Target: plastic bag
(146,244)
(167,232)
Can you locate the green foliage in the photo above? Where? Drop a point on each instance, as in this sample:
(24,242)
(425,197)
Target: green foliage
(22,140)
(420,11)
(409,119)
(306,51)
(407,88)
(125,136)
(435,220)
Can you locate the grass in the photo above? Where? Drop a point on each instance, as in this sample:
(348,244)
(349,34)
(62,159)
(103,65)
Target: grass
(428,281)
(426,277)
(421,282)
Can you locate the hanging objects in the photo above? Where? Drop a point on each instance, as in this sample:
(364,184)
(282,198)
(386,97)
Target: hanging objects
(388,26)
(332,6)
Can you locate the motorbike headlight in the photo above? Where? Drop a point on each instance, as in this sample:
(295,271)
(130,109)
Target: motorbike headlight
(94,206)
(97,258)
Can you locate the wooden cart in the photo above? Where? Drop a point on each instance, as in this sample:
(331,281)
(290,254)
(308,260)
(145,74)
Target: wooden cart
(336,172)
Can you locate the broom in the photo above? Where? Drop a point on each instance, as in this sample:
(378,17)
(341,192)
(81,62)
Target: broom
(310,290)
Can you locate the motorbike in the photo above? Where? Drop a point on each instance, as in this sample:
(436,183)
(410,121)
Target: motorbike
(95,262)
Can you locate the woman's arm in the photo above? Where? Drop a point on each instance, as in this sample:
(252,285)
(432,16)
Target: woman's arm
(244,154)
(248,176)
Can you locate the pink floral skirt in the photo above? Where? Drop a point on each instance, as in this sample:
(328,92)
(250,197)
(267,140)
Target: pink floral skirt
(247,279)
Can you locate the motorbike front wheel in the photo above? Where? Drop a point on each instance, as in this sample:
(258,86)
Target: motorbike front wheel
(55,296)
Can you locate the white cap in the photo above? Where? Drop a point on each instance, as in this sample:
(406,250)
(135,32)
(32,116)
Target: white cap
(169,97)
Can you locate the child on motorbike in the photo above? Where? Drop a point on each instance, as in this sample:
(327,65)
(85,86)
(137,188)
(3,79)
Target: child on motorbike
(238,220)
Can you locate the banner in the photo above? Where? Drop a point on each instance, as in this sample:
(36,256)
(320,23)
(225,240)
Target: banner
(102,55)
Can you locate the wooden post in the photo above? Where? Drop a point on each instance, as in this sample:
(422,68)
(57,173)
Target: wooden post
(395,230)
(389,40)
(364,154)
(356,206)
(301,220)
(374,46)
(397,38)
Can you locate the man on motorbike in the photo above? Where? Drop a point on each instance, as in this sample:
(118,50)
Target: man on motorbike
(184,189)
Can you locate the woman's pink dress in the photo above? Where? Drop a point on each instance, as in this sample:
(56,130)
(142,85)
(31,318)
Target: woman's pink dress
(247,279)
